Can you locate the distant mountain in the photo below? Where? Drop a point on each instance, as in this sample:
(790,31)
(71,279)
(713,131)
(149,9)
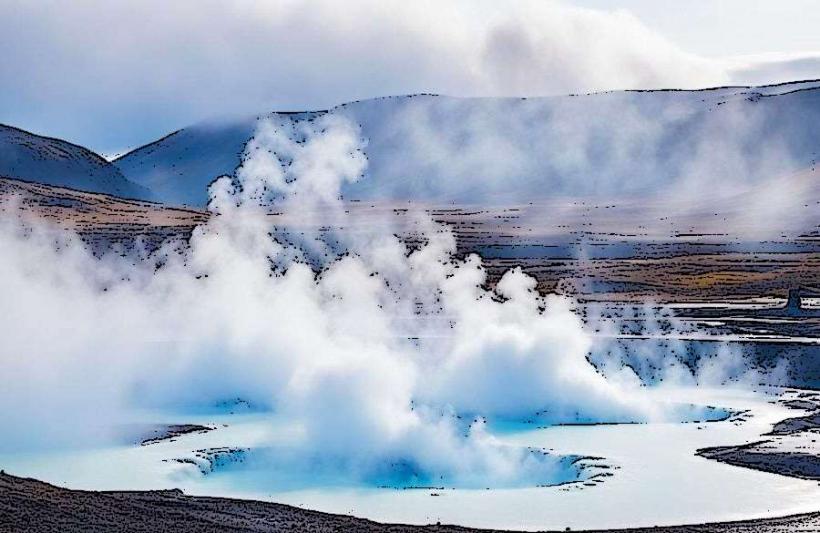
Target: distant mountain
(506,150)
(178,168)
(34,158)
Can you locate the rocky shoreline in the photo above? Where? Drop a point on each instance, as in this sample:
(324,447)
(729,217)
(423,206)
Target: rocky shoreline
(33,506)
(791,448)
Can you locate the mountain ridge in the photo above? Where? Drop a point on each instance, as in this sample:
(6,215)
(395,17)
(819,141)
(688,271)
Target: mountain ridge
(37,158)
(482,149)
(426,146)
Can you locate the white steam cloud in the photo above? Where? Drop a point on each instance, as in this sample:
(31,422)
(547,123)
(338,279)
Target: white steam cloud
(387,358)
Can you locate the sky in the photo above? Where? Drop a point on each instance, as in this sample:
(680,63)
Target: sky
(115,75)
(725,28)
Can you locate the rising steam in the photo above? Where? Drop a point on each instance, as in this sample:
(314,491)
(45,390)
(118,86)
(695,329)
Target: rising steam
(387,358)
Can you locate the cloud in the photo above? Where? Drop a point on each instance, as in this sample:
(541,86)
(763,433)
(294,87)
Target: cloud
(774,68)
(115,74)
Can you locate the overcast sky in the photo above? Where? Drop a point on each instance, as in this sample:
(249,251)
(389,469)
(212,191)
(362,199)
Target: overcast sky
(113,74)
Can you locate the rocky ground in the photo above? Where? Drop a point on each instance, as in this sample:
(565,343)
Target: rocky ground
(33,506)
(596,247)
(791,448)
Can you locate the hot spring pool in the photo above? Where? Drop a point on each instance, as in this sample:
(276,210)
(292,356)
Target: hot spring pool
(656,477)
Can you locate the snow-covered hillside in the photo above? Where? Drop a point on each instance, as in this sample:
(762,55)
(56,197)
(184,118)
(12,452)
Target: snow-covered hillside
(31,157)
(500,150)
